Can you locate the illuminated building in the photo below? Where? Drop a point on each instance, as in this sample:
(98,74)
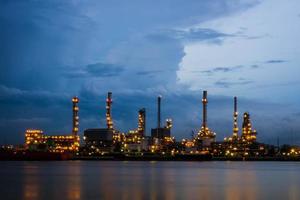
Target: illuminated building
(169,123)
(244,146)
(104,140)
(33,136)
(248,134)
(98,140)
(140,131)
(135,140)
(36,140)
(205,136)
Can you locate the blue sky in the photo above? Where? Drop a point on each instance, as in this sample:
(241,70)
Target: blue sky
(53,50)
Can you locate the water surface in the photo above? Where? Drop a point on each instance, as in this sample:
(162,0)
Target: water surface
(149,180)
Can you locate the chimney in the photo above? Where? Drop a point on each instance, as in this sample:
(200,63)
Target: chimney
(109,121)
(235,104)
(235,115)
(75,101)
(158,111)
(204,102)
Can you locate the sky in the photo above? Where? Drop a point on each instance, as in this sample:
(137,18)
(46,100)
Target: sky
(54,50)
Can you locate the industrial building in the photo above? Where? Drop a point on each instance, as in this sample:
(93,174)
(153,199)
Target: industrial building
(35,139)
(136,140)
(240,146)
(248,134)
(101,140)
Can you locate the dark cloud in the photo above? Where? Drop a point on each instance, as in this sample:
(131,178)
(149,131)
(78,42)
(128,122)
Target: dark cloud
(104,70)
(94,70)
(254,66)
(222,69)
(275,61)
(144,73)
(194,34)
(251,37)
(16,96)
(228,84)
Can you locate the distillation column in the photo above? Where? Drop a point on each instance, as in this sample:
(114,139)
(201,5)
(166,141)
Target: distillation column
(235,123)
(142,122)
(204,103)
(158,111)
(109,121)
(75,130)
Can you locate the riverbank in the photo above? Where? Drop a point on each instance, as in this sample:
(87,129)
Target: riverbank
(46,156)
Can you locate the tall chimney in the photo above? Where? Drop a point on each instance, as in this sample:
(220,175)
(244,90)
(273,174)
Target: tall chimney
(204,102)
(235,115)
(109,121)
(75,101)
(158,111)
(235,104)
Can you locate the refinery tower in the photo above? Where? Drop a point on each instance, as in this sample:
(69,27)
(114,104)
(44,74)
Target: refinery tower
(161,132)
(109,121)
(235,123)
(205,136)
(75,130)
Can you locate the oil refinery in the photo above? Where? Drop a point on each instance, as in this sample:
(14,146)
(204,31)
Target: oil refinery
(110,143)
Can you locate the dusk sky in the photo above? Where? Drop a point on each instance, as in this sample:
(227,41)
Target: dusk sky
(54,50)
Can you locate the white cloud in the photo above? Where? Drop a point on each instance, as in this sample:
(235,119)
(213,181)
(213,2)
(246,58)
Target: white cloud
(268,31)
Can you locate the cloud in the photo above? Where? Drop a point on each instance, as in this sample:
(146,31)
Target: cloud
(94,70)
(104,70)
(254,66)
(228,84)
(191,35)
(144,73)
(26,121)
(256,37)
(16,96)
(222,69)
(275,61)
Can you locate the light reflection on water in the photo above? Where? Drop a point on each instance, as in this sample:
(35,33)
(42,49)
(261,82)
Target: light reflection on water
(149,180)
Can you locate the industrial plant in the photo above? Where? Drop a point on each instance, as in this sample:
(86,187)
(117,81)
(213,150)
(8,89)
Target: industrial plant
(109,143)
(36,140)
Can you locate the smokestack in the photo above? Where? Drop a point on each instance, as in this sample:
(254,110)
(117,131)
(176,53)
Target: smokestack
(158,111)
(204,102)
(235,104)
(235,115)
(109,94)
(109,121)
(75,101)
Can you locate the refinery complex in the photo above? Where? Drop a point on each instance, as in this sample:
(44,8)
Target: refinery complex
(110,143)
